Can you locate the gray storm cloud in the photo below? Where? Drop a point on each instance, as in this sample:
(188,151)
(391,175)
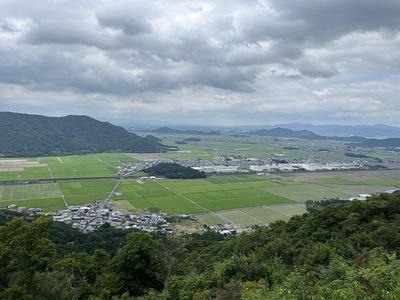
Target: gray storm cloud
(177,53)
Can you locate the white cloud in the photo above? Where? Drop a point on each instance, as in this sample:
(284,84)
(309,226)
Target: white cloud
(324,92)
(207,61)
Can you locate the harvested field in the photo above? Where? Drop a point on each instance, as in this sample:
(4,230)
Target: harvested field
(147,156)
(11,165)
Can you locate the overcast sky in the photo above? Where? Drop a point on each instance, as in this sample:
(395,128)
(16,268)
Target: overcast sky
(203,62)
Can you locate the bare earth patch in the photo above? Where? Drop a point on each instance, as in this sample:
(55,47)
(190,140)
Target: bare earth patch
(147,156)
(18,165)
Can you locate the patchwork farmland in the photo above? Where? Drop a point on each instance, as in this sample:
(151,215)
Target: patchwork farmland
(200,195)
(244,200)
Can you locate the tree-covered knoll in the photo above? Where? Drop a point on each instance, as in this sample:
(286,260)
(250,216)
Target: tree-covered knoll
(341,251)
(174,171)
(34,135)
(391,143)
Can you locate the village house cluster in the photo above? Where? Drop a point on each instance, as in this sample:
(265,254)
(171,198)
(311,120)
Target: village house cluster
(90,218)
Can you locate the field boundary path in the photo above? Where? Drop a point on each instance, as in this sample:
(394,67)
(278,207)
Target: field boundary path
(253,216)
(62,196)
(51,173)
(105,162)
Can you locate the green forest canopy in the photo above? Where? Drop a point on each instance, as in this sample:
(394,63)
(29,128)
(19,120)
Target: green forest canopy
(174,171)
(23,135)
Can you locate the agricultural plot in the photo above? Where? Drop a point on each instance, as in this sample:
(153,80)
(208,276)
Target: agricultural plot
(188,208)
(31,191)
(47,196)
(83,166)
(289,209)
(385,181)
(244,200)
(337,180)
(210,219)
(240,218)
(55,167)
(25,173)
(304,192)
(84,192)
(267,214)
(200,195)
(253,215)
(124,205)
(249,146)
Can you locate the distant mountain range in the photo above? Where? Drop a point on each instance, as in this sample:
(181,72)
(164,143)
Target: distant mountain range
(24,135)
(300,134)
(303,134)
(179,131)
(34,135)
(368,131)
(390,143)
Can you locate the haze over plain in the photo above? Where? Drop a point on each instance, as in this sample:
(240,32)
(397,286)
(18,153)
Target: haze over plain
(203,62)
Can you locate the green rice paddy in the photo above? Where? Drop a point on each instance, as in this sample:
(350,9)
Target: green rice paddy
(26,174)
(85,166)
(47,196)
(200,195)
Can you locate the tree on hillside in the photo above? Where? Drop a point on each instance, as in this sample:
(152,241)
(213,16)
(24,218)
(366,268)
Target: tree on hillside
(139,264)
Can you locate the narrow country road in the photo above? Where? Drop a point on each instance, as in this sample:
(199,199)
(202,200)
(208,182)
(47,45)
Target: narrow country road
(105,202)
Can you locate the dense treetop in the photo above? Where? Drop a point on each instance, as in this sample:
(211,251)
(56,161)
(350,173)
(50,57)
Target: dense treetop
(174,171)
(391,143)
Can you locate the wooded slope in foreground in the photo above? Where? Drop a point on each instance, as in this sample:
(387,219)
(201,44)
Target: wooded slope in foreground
(343,251)
(23,135)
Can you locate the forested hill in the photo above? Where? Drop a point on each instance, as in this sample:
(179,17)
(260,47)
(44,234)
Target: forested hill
(303,134)
(178,131)
(174,171)
(35,135)
(343,251)
(391,143)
